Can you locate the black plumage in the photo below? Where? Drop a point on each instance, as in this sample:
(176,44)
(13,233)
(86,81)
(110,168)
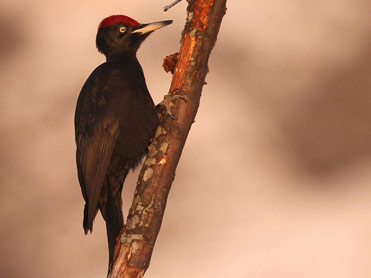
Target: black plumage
(115,120)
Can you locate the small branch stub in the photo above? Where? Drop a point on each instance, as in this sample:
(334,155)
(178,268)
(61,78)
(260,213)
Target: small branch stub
(170,62)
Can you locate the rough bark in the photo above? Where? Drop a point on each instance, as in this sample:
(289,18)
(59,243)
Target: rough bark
(145,216)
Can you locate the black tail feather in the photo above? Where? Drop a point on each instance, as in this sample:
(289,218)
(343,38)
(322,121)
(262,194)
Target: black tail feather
(114,221)
(85,224)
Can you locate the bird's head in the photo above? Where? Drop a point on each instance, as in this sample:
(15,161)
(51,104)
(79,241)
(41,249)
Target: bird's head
(120,34)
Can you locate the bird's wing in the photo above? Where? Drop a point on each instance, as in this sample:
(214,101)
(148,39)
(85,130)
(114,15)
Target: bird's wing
(96,131)
(114,110)
(93,157)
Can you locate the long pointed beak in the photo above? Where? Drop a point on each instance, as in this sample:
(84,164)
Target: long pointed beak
(146,28)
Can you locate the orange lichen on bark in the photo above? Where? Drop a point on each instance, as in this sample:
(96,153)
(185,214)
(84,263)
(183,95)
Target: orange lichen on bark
(118,244)
(125,270)
(201,11)
(185,55)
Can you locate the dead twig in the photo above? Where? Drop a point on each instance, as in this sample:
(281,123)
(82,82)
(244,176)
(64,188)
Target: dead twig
(171,5)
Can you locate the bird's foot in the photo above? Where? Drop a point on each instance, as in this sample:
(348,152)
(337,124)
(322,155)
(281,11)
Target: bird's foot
(168,102)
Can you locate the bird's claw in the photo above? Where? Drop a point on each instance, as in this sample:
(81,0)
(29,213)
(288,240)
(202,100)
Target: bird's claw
(168,102)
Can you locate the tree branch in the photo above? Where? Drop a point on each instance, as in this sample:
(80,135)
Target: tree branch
(145,216)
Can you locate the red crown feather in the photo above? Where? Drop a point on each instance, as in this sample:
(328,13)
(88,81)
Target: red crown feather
(114,19)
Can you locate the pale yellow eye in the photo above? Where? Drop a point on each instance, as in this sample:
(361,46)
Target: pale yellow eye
(122,29)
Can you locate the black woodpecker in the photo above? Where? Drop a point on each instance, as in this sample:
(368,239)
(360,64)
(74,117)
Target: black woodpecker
(115,120)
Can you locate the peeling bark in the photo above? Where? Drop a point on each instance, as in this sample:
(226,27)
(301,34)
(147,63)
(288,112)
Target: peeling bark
(145,216)
(170,62)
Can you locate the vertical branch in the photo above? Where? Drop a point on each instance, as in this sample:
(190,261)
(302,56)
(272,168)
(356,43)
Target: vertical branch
(154,182)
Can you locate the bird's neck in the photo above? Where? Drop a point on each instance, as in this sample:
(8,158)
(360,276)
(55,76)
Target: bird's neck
(124,57)
(127,60)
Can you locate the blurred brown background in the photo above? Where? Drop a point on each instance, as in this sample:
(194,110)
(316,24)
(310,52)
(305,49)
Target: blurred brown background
(275,177)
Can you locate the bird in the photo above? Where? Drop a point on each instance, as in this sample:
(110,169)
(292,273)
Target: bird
(115,120)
